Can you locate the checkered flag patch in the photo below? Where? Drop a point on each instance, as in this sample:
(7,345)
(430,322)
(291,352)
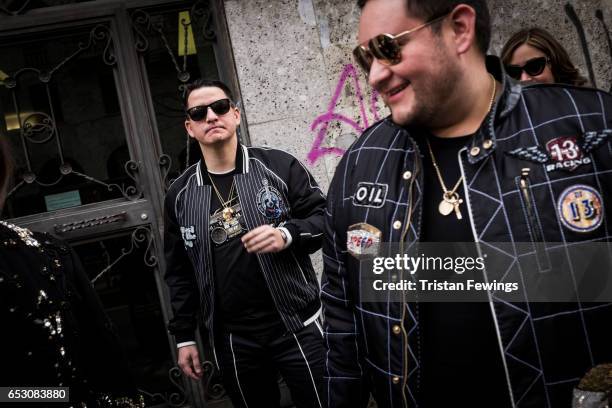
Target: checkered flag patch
(592,140)
(533,153)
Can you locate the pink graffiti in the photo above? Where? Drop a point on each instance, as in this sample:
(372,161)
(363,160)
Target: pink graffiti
(323,121)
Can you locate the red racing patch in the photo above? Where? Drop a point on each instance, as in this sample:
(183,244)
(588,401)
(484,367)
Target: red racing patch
(566,154)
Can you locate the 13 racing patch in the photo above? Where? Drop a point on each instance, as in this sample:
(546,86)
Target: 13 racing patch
(363,239)
(370,195)
(565,154)
(580,208)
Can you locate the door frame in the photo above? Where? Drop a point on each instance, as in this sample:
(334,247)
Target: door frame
(141,133)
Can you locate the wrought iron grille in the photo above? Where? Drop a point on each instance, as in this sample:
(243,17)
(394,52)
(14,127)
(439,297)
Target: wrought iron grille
(161,34)
(42,116)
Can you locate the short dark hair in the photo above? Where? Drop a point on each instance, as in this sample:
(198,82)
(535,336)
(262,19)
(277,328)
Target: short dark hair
(428,10)
(204,83)
(6,167)
(563,69)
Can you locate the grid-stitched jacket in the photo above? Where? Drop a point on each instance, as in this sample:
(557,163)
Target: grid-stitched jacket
(289,274)
(546,348)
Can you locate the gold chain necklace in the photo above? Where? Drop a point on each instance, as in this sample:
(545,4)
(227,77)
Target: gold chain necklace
(228,211)
(450,198)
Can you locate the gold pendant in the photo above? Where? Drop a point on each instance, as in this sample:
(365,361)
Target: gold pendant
(446,207)
(457,210)
(228,213)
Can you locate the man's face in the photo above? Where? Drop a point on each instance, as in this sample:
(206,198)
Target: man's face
(214,129)
(416,88)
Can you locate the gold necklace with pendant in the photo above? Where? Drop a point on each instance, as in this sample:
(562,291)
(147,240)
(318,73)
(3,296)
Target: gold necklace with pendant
(451,200)
(227,211)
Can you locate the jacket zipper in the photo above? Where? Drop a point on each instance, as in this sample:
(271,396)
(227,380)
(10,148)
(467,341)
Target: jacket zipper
(534,228)
(525,190)
(479,249)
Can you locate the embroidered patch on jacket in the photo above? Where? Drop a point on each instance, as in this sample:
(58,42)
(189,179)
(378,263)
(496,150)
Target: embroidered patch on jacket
(592,140)
(363,239)
(580,208)
(269,201)
(370,195)
(188,234)
(566,154)
(562,153)
(533,154)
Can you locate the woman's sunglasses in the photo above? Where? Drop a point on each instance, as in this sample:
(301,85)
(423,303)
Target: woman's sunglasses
(386,48)
(220,107)
(532,67)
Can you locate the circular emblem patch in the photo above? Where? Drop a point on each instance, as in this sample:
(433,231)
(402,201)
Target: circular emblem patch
(269,201)
(580,208)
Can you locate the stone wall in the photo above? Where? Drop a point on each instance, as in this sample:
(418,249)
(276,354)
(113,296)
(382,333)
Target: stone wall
(302,93)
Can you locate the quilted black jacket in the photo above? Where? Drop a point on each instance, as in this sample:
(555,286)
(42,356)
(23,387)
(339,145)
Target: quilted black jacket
(563,135)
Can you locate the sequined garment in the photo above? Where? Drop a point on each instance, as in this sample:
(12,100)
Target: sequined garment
(55,330)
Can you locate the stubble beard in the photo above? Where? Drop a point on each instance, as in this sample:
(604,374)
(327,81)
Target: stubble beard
(433,97)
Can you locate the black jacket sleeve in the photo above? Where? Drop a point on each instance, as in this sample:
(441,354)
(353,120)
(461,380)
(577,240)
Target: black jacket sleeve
(180,278)
(344,380)
(307,209)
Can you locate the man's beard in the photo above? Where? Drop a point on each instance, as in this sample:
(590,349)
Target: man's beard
(433,97)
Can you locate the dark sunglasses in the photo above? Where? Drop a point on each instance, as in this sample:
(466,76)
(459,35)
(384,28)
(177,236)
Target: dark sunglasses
(220,107)
(386,48)
(532,67)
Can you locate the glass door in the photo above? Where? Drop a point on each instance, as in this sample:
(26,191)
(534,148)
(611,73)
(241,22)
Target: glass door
(91,105)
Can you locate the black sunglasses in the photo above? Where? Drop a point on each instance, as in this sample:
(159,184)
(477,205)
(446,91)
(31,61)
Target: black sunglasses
(532,67)
(386,48)
(220,107)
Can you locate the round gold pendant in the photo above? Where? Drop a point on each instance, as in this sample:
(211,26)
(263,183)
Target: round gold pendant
(445,207)
(228,213)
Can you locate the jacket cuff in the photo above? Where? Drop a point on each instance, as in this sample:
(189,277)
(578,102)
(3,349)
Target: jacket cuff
(183,337)
(289,238)
(293,232)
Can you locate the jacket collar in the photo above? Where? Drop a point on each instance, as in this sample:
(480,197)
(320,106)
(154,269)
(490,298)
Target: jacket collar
(484,141)
(242,165)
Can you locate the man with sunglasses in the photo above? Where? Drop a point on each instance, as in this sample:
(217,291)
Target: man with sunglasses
(239,228)
(467,155)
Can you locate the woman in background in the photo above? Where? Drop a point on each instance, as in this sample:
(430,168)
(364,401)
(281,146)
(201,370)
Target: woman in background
(534,55)
(55,332)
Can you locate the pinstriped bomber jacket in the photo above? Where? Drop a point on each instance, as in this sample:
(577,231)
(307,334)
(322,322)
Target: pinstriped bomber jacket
(289,274)
(563,135)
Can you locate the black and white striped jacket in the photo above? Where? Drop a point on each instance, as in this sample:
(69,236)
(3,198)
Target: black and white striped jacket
(546,347)
(289,274)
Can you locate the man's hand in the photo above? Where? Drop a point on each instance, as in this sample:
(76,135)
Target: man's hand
(263,239)
(189,361)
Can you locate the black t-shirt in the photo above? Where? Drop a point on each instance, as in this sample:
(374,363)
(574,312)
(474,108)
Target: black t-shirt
(461,363)
(243,300)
